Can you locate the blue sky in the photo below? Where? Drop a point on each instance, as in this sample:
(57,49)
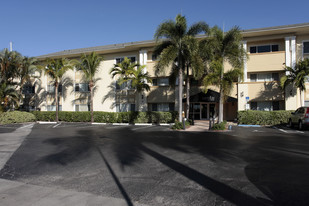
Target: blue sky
(38,27)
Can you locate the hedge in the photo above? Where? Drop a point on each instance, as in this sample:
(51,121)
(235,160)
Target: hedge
(254,117)
(16,117)
(108,117)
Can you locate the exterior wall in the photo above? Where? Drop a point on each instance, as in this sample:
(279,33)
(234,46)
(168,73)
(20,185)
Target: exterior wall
(106,96)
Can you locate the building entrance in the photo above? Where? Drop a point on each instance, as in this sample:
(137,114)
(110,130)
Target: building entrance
(202,110)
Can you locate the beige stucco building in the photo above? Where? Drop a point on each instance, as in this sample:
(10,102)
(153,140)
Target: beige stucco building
(269,51)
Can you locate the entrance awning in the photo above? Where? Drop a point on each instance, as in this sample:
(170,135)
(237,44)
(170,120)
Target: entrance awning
(210,96)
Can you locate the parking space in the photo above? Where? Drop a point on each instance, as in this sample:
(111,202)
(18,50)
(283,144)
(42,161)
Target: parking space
(154,165)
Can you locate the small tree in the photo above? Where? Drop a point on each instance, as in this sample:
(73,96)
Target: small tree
(296,76)
(89,64)
(55,68)
(8,95)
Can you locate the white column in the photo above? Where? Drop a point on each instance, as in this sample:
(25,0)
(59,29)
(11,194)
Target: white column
(293,51)
(287,52)
(244,44)
(141,57)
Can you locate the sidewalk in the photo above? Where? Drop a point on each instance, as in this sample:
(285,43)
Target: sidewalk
(202,126)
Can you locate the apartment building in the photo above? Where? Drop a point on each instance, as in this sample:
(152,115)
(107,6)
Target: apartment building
(269,51)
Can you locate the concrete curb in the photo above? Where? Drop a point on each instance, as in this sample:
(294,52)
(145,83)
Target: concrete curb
(43,122)
(248,125)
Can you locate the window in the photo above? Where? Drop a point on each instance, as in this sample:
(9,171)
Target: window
(264,48)
(51,88)
(154,82)
(262,77)
(253,77)
(154,57)
(160,82)
(162,107)
(121,107)
(120,59)
(82,107)
(265,106)
(28,89)
(82,87)
(132,107)
(306,47)
(53,107)
(125,85)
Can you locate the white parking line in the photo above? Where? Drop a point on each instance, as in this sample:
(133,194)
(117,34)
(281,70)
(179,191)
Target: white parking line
(300,132)
(282,130)
(56,125)
(28,125)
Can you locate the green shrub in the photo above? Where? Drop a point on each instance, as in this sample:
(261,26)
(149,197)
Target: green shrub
(254,117)
(108,117)
(179,125)
(219,126)
(16,117)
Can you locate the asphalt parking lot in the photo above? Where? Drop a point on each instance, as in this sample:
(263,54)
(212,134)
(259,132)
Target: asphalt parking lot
(152,165)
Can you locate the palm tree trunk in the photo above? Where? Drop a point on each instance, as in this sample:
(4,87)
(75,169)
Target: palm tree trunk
(180,94)
(91,100)
(188,94)
(221,101)
(56,97)
(301,103)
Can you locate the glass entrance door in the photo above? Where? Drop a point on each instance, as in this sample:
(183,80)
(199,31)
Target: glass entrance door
(212,111)
(204,111)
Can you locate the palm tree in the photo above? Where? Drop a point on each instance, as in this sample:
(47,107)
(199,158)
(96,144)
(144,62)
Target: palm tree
(10,62)
(224,47)
(55,68)
(133,73)
(89,64)
(173,48)
(296,76)
(8,95)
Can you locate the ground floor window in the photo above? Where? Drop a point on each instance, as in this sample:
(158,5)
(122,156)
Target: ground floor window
(162,107)
(82,107)
(53,107)
(265,106)
(125,107)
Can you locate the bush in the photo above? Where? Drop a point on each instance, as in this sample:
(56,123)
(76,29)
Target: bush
(16,117)
(254,117)
(108,117)
(179,125)
(219,126)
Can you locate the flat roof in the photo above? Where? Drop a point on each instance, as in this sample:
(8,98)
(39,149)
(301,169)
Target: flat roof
(149,43)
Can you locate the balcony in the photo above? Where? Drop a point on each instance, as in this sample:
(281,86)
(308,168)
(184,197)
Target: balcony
(262,62)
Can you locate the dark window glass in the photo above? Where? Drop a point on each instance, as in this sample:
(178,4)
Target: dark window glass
(275,76)
(154,82)
(194,82)
(275,105)
(154,57)
(301,110)
(274,48)
(171,107)
(265,48)
(119,60)
(60,88)
(253,77)
(253,105)
(76,87)
(132,109)
(306,47)
(154,107)
(253,49)
(133,59)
